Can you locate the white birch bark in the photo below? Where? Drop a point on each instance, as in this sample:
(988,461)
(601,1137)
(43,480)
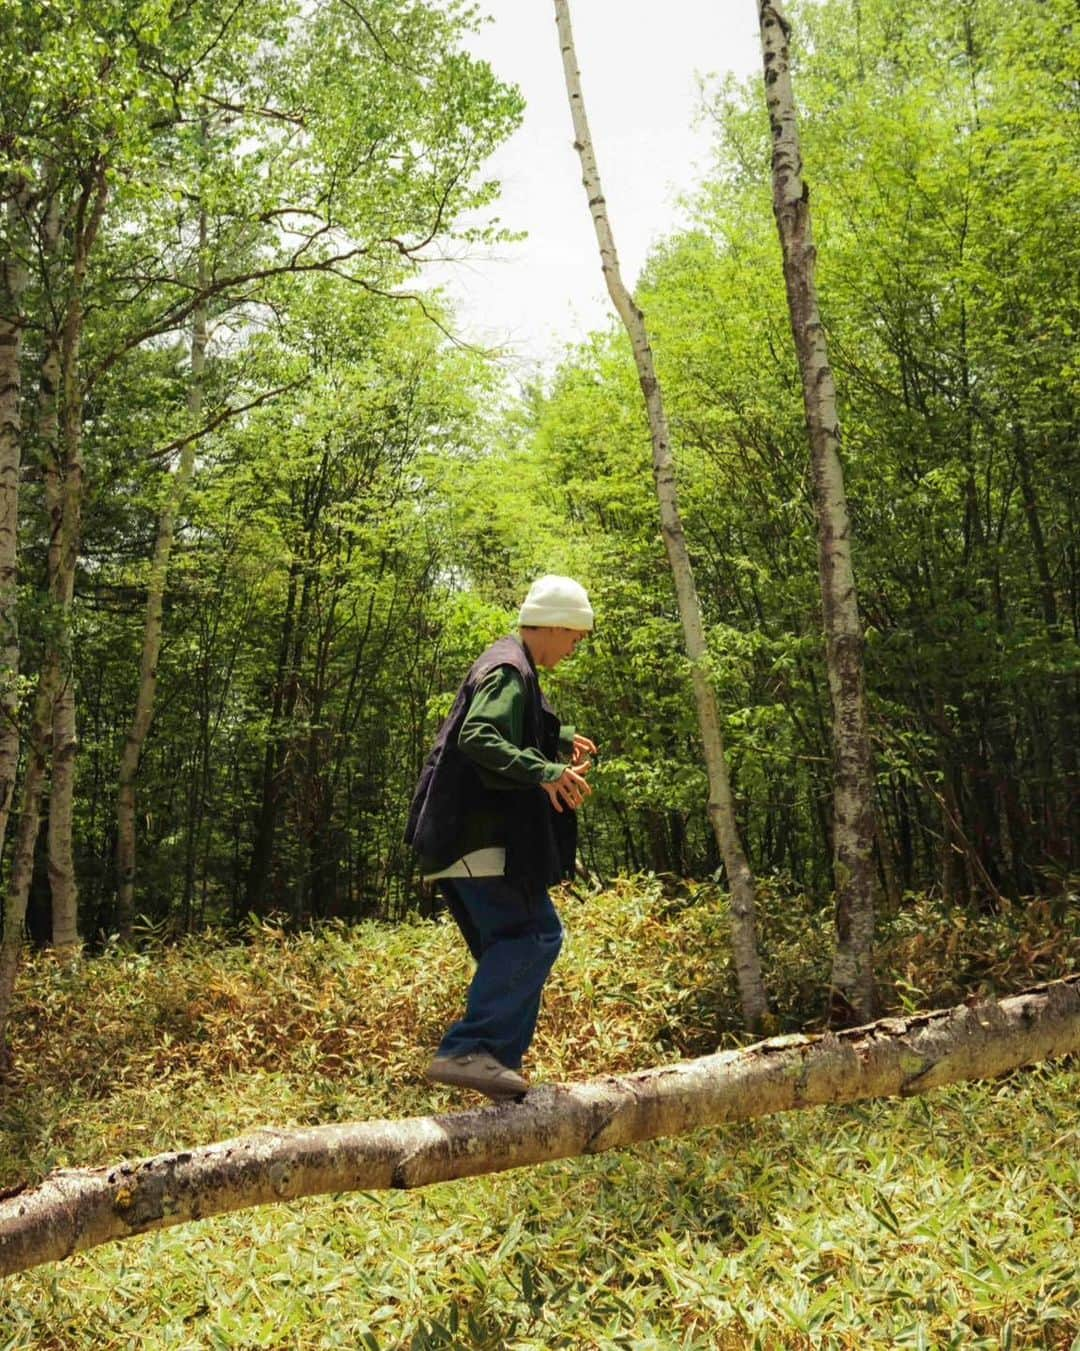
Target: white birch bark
(720,806)
(898,1057)
(143,713)
(13,282)
(853,782)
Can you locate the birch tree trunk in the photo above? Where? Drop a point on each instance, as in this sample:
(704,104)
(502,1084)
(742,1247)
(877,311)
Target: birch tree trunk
(720,807)
(852,978)
(62,886)
(28,822)
(64,491)
(143,714)
(27,817)
(13,281)
(65,527)
(898,1057)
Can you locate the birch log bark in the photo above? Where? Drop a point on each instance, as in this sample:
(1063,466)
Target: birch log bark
(65,526)
(721,808)
(898,1057)
(852,980)
(13,282)
(143,714)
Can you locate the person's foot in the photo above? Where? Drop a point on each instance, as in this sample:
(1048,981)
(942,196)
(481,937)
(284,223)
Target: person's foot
(479,1070)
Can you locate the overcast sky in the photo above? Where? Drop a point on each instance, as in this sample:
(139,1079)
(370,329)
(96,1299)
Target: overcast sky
(641,66)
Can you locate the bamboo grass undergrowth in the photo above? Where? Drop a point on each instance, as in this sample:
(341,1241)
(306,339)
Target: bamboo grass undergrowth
(945,1221)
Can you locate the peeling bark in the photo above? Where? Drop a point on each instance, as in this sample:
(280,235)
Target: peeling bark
(77,1209)
(853,779)
(721,809)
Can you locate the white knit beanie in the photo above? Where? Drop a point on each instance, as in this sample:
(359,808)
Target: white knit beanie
(556,603)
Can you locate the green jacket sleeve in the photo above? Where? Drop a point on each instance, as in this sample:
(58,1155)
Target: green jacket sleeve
(494,729)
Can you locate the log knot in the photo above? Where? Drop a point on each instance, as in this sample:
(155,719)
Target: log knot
(280,1175)
(141,1205)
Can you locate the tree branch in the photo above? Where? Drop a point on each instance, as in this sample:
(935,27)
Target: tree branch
(222,415)
(296,119)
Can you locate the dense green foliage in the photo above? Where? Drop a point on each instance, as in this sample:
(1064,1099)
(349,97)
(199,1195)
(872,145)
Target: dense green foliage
(942,148)
(369,503)
(368,506)
(947,1221)
(280,170)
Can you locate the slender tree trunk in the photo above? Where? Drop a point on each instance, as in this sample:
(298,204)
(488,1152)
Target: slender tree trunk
(67,530)
(41,724)
(720,807)
(143,714)
(853,786)
(257,885)
(63,884)
(63,493)
(77,1209)
(13,281)
(266,884)
(64,897)
(35,775)
(1065,834)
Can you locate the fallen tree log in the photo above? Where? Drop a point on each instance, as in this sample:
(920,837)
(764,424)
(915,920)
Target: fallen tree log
(76,1209)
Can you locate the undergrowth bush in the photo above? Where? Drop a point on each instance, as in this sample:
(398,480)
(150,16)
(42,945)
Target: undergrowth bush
(948,1221)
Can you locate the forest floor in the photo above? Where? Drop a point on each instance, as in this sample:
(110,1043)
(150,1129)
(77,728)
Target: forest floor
(947,1221)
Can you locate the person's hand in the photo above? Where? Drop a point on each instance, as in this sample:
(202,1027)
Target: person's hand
(570,789)
(583,748)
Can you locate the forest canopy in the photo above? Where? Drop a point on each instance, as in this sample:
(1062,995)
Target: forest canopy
(261,505)
(228,401)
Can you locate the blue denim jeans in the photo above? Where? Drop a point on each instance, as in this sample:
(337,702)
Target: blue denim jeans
(513,932)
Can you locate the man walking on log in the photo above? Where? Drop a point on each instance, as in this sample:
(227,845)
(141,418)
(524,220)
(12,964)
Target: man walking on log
(493,821)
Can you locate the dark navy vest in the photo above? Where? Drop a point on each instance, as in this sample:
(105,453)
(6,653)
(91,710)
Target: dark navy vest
(541,843)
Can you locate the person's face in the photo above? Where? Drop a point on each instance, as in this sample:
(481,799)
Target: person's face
(563,643)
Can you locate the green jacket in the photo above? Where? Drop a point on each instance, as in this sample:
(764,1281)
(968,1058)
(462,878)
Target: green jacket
(491,737)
